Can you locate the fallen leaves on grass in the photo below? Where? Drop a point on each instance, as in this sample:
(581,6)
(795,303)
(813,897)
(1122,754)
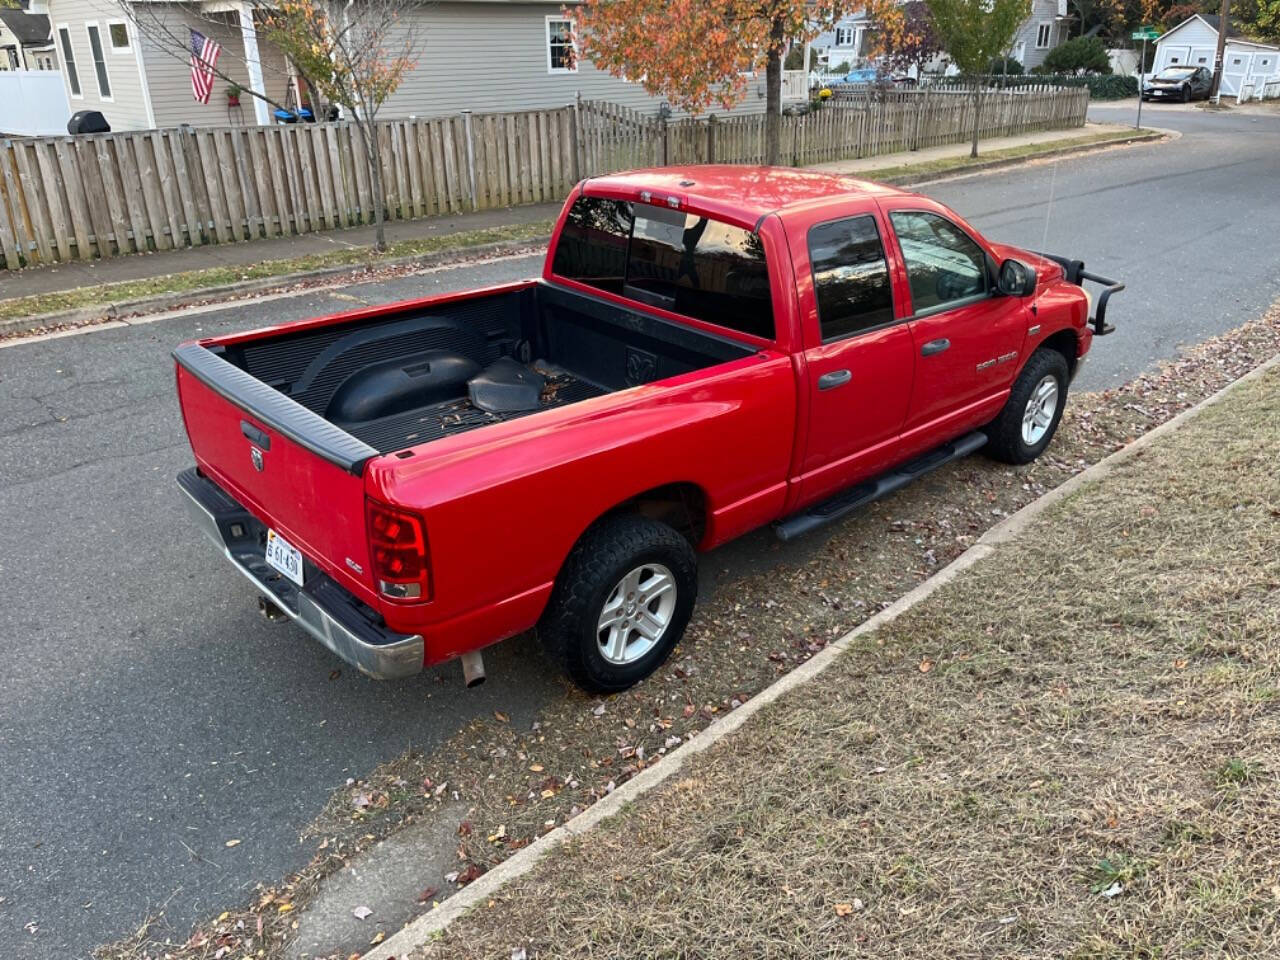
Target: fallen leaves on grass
(784,599)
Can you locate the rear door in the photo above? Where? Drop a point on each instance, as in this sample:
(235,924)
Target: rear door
(858,357)
(967,336)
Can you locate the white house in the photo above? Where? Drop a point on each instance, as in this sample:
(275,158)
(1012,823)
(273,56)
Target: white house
(24,40)
(848,40)
(1250,68)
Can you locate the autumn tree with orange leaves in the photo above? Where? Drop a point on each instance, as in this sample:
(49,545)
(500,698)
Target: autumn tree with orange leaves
(700,53)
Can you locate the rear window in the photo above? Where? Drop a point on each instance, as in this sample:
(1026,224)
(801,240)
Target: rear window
(691,265)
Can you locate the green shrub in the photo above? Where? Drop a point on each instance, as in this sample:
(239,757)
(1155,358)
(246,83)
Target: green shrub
(1080,55)
(1005,66)
(1109,86)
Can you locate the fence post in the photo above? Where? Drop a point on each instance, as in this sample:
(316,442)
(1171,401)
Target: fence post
(575,137)
(711,138)
(471,159)
(663,122)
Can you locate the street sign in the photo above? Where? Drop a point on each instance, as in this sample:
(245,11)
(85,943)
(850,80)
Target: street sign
(1146,33)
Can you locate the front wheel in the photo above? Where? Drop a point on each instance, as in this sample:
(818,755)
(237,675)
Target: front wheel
(621,603)
(1031,414)
(1186,94)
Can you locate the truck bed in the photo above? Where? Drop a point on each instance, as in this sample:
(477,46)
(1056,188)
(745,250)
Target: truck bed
(401,379)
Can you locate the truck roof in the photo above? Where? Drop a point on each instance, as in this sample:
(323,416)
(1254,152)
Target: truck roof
(738,192)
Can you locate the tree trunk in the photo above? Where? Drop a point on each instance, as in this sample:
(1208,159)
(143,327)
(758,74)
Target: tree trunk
(369,136)
(977,109)
(773,94)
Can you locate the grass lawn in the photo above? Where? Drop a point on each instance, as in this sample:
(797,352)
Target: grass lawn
(1028,151)
(1073,750)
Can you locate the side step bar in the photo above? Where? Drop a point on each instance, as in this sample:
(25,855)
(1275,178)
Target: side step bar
(846,501)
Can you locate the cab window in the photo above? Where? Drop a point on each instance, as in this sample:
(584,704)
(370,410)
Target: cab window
(688,264)
(944,264)
(850,277)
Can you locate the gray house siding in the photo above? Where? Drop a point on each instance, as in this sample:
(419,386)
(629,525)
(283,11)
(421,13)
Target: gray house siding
(169,77)
(1025,41)
(493,57)
(126,108)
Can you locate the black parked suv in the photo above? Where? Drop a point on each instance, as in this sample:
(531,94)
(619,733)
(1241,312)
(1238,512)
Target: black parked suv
(1179,83)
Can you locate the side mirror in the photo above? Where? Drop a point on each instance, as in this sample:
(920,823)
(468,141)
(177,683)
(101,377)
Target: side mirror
(1017,279)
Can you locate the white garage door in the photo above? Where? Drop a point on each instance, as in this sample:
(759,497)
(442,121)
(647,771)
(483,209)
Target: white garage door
(1173,56)
(1202,57)
(1235,69)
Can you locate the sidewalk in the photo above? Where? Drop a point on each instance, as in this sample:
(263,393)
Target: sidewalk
(83,273)
(1004,146)
(77,275)
(1071,749)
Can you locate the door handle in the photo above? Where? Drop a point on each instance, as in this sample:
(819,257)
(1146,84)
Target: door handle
(836,378)
(934,346)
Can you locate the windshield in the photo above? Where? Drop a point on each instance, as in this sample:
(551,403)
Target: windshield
(1175,73)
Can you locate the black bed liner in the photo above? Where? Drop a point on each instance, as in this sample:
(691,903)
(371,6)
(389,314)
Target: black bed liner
(405,368)
(443,419)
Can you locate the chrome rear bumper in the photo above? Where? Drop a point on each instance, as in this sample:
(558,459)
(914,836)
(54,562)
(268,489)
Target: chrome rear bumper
(322,608)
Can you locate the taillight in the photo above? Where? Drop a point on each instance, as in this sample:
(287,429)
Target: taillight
(398,549)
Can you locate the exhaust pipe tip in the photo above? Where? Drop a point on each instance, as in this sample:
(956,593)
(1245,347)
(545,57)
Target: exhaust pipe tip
(472,668)
(270,611)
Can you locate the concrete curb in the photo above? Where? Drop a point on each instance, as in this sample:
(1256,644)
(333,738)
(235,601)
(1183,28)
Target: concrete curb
(168,301)
(420,931)
(1153,133)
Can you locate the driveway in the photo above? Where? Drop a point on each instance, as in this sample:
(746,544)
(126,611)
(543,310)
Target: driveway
(148,716)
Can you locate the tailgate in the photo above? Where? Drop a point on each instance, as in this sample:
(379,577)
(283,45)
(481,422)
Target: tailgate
(295,471)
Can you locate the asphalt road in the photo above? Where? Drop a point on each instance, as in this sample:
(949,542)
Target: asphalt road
(148,716)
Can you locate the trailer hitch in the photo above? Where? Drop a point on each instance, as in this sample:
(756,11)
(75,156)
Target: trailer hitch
(1075,272)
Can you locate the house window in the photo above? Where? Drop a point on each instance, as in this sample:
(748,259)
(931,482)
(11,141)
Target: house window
(561,51)
(1203,60)
(845,36)
(69,61)
(1044,35)
(99,62)
(118,31)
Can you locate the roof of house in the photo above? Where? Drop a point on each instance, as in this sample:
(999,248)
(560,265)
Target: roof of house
(31,29)
(737,193)
(1234,30)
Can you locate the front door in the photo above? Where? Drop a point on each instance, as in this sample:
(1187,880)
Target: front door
(967,335)
(858,357)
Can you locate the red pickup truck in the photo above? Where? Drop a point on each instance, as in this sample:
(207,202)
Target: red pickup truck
(709,349)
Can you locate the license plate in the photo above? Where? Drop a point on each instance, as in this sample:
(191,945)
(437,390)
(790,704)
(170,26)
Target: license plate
(284,556)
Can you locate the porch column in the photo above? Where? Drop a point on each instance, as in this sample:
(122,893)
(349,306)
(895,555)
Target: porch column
(249,33)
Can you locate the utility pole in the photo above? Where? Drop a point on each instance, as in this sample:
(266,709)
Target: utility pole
(1223,14)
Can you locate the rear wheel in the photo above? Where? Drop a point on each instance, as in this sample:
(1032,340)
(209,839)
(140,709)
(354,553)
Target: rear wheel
(1031,414)
(621,603)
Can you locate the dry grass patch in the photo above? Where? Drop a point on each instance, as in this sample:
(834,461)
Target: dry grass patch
(1071,751)
(768,607)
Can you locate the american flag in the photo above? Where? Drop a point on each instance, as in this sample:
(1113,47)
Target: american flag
(204,54)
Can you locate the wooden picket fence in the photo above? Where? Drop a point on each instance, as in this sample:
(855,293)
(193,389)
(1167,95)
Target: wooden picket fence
(872,125)
(105,195)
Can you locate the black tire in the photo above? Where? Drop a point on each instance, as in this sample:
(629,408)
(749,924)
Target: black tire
(598,562)
(1186,94)
(1004,434)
